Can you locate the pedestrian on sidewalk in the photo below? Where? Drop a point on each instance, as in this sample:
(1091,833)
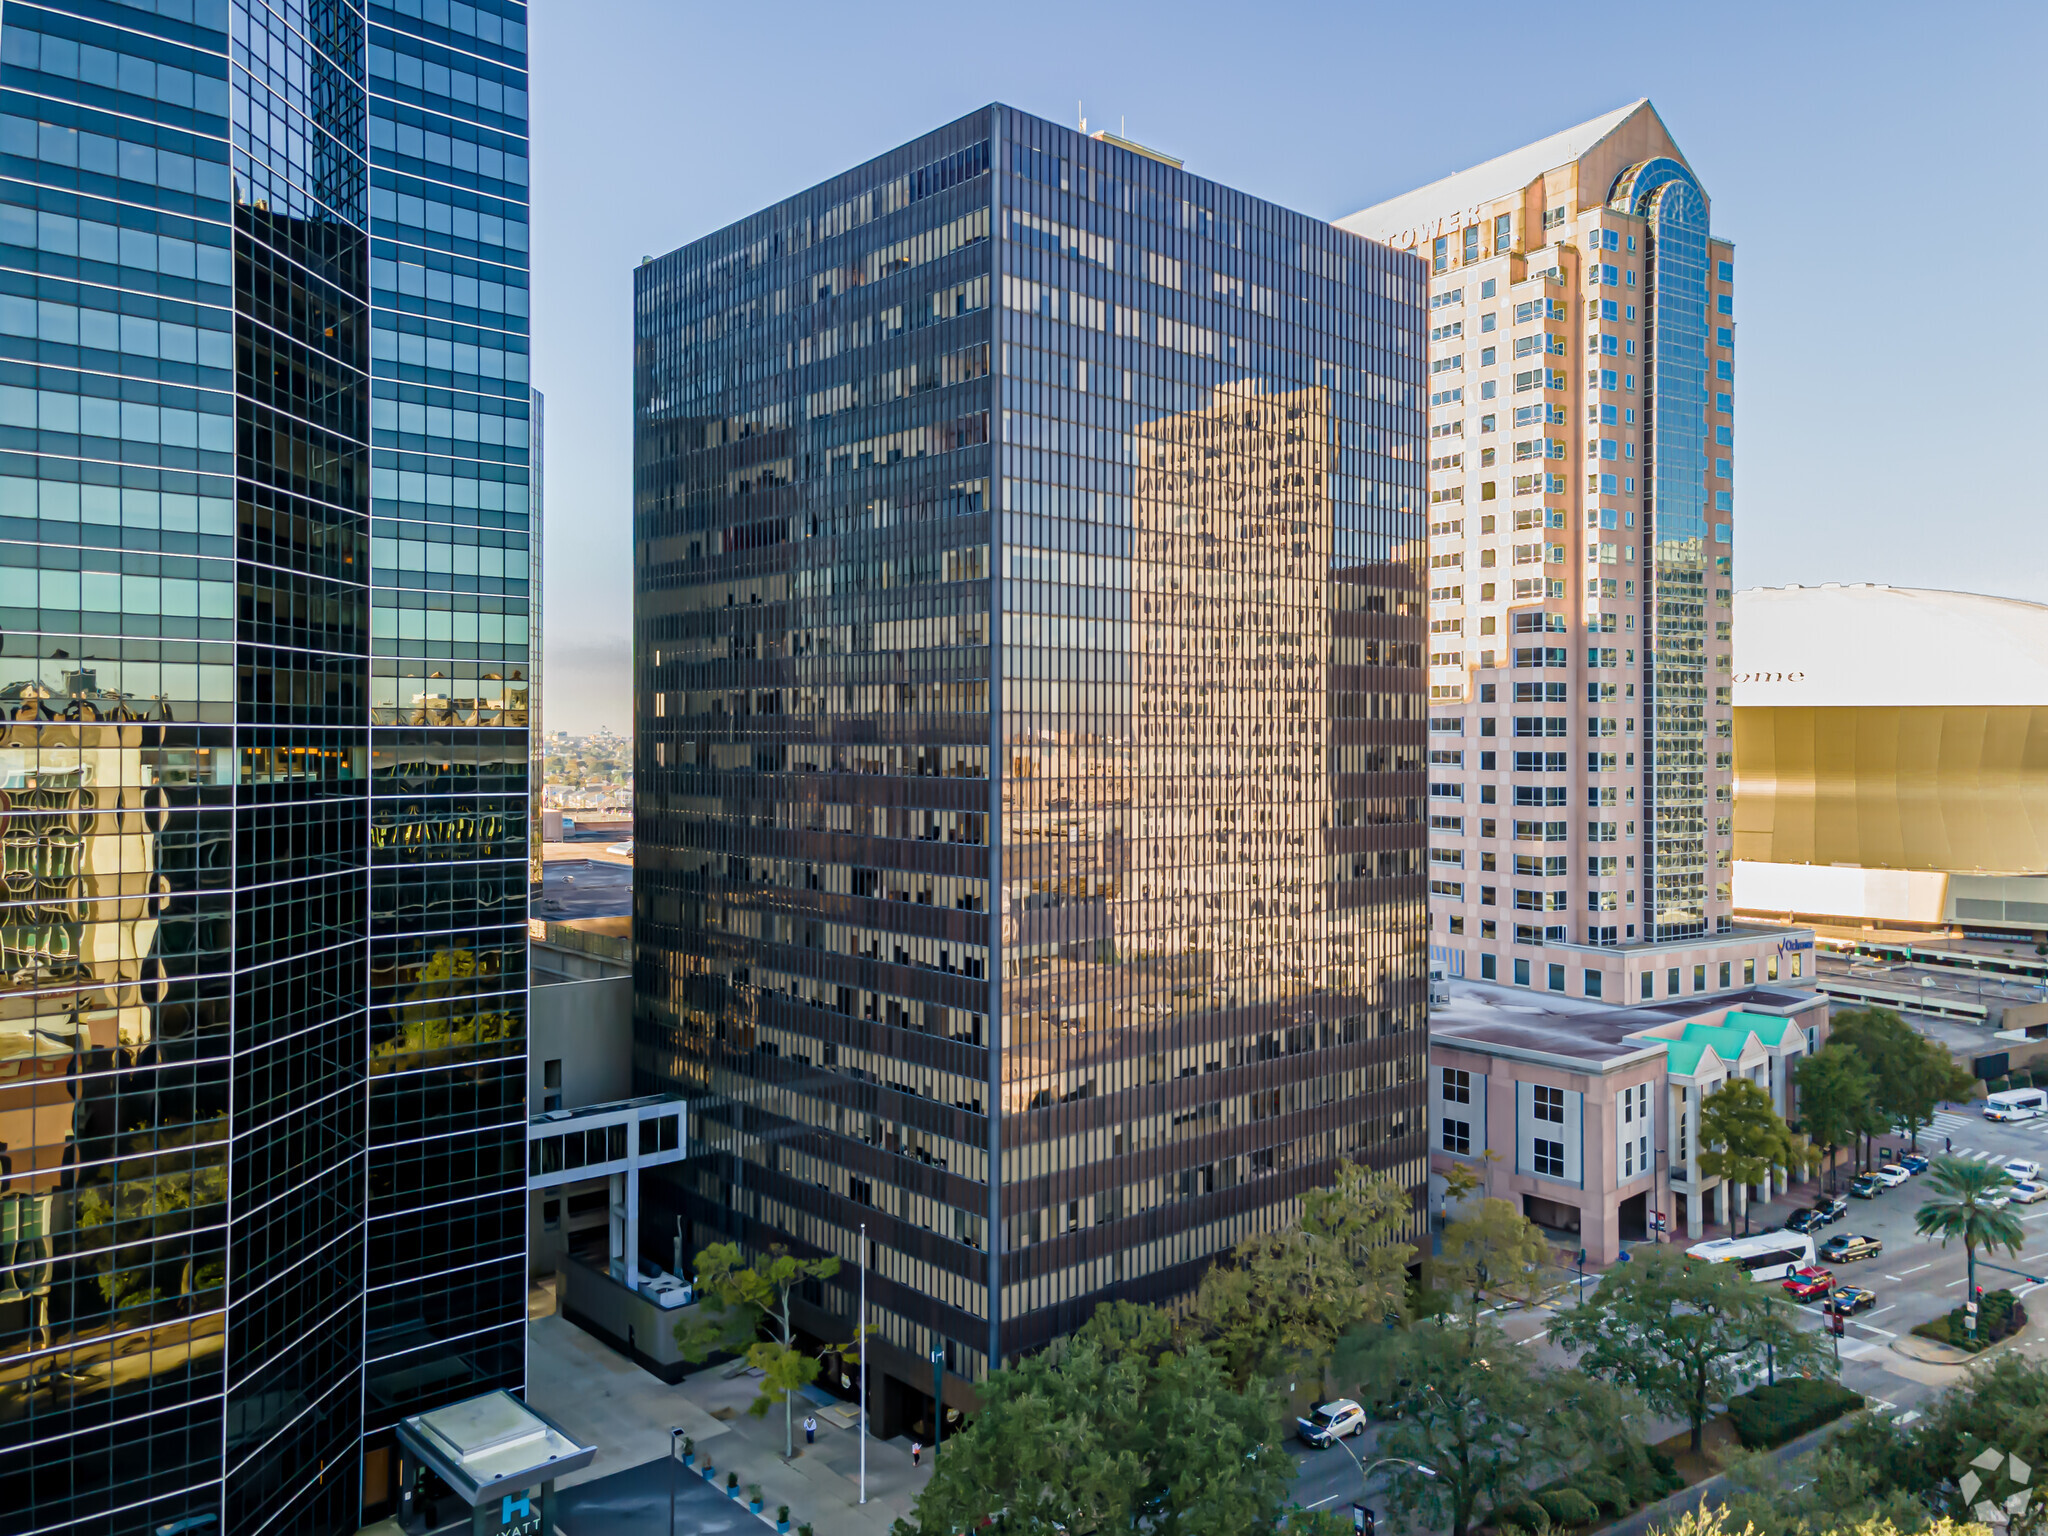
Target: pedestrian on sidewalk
(916,1450)
(810,1430)
(1948,1143)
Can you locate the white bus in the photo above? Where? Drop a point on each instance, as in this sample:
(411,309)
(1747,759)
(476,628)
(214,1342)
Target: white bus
(2016,1104)
(1763,1256)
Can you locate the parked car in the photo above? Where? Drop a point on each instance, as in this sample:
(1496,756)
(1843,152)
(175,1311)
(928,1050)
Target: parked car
(1867,1186)
(1820,1214)
(2019,1170)
(1803,1221)
(1914,1163)
(1845,1299)
(1893,1175)
(2027,1191)
(1334,1421)
(1843,1248)
(1805,1284)
(1997,1199)
(1832,1208)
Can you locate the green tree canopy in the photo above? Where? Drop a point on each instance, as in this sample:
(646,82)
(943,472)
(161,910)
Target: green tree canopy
(1685,1333)
(1112,1430)
(1837,1097)
(1484,1416)
(1283,1298)
(748,1299)
(1492,1249)
(1742,1137)
(1913,1073)
(1909,1477)
(1961,1210)
(1732,1520)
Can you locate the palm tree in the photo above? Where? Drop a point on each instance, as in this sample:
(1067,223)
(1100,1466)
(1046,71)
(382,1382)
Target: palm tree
(1965,1212)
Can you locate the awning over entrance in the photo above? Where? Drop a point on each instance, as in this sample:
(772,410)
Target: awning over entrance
(491,1445)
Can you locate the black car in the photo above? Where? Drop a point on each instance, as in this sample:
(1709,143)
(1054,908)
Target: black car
(1820,1214)
(1845,1299)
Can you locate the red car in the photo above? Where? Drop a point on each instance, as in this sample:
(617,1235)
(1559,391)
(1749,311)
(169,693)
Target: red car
(1807,1283)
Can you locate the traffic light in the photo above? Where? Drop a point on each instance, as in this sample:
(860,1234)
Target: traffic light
(1979,1292)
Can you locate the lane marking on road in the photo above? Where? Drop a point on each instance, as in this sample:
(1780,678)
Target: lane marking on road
(2027,1290)
(1900,1279)
(2037,1216)
(1890,1306)
(1949,1284)
(1534,1337)
(1918,1267)
(1319,1503)
(1885,1332)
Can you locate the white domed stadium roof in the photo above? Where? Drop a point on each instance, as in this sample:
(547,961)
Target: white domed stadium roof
(1848,646)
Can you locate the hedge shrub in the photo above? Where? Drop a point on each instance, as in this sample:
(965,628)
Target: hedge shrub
(1523,1513)
(1764,1417)
(1568,1506)
(2000,1316)
(1607,1491)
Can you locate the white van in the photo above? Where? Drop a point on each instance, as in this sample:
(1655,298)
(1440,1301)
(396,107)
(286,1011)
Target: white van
(2016,1104)
(1762,1256)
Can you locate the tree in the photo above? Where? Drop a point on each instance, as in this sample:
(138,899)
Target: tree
(1684,1333)
(1481,1414)
(1728,1521)
(1963,1211)
(1873,1468)
(1284,1297)
(1742,1138)
(1111,1430)
(1837,1098)
(1913,1073)
(749,1297)
(1495,1248)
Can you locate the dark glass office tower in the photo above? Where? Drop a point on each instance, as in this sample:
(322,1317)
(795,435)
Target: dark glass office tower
(1030,728)
(449,486)
(254,1121)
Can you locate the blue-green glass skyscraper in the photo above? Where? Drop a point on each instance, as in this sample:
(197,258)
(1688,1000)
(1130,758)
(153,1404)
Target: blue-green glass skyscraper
(263,402)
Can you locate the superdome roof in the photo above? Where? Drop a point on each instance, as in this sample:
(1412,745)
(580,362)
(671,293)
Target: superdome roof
(1847,646)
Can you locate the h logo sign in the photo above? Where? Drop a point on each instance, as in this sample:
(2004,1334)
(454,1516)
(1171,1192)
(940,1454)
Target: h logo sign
(521,1501)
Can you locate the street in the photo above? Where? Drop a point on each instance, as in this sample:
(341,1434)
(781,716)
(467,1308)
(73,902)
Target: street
(1914,1278)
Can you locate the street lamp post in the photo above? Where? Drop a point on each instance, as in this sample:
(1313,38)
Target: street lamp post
(1366,1469)
(938,1399)
(860,1339)
(674,1434)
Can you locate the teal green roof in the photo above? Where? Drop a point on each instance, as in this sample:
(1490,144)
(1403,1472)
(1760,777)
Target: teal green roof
(1683,1056)
(1770,1027)
(1726,1040)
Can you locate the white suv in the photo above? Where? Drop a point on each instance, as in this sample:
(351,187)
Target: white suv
(1332,1422)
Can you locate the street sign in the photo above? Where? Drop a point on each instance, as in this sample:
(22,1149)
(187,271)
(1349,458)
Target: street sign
(1656,1221)
(1970,1307)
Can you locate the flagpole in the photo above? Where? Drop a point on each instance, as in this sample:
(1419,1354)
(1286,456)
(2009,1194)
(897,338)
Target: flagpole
(860,1342)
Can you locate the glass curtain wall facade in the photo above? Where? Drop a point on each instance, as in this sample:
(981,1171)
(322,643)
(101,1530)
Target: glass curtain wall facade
(1030,719)
(450,568)
(201,846)
(1676,850)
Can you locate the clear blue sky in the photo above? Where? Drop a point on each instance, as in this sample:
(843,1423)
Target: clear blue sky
(1877,165)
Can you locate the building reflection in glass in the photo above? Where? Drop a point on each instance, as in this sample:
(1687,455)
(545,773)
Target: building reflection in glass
(1029,729)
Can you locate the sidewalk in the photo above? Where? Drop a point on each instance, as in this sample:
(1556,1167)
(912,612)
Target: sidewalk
(607,1401)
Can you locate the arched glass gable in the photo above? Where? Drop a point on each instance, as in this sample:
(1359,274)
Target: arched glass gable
(1666,196)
